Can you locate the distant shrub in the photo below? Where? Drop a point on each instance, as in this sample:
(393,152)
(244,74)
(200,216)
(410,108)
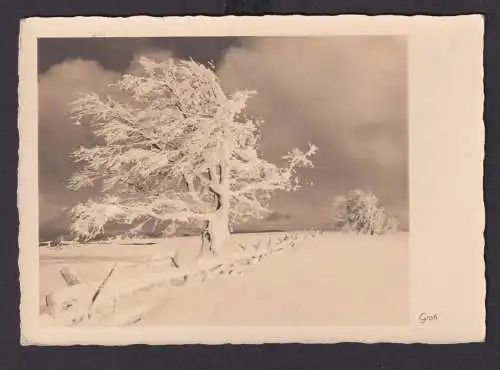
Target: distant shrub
(360,212)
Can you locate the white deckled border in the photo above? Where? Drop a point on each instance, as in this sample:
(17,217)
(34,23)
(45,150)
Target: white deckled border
(446,143)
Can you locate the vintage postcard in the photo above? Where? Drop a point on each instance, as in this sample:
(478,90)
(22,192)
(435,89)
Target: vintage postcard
(251,180)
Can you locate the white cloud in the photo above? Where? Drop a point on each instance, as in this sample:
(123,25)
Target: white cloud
(348,95)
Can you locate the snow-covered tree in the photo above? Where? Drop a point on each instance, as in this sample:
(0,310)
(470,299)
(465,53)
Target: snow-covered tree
(360,212)
(175,148)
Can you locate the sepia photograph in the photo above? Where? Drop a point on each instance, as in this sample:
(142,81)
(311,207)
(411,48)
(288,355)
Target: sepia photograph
(277,184)
(224,181)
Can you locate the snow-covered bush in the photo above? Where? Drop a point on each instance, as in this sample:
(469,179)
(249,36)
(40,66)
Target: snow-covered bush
(360,212)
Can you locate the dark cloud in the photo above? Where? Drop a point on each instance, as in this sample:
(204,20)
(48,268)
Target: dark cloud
(116,53)
(347,95)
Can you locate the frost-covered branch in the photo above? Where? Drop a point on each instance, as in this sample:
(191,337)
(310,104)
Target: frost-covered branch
(254,180)
(175,148)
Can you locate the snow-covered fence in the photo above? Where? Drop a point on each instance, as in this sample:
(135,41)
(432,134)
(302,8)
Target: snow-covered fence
(57,243)
(82,302)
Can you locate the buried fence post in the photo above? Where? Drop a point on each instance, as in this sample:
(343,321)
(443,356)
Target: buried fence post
(69,277)
(73,304)
(101,287)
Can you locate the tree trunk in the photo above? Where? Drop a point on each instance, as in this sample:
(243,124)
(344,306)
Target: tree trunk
(216,230)
(215,233)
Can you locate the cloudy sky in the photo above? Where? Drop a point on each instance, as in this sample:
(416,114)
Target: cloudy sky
(346,94)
